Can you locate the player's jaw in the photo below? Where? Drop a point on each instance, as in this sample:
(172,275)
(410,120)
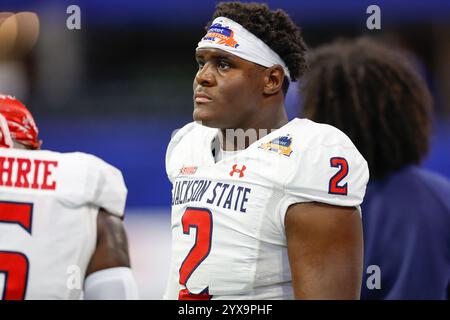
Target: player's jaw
(215,109)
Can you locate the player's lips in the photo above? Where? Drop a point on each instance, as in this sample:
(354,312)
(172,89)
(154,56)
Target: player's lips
(201,97)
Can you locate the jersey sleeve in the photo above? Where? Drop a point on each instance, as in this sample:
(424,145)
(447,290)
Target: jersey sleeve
(106,187)
(335,175)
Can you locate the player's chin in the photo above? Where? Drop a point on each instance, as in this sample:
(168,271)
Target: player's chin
(205,115)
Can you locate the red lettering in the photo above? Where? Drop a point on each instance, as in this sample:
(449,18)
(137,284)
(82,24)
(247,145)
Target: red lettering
(8,171)
(47,174)
(22,172)
(37,164)
(24,167)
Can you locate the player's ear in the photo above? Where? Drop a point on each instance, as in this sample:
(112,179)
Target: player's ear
(273,79)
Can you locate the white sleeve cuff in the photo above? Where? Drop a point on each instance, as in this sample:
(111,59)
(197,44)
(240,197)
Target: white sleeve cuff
(111,284)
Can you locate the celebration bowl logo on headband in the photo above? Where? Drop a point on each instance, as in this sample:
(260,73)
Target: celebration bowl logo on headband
(223,34)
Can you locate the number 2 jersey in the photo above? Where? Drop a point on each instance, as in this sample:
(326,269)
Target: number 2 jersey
(228,234)
(49,204)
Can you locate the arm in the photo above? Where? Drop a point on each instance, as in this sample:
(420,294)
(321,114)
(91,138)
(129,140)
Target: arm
(112,244)
(108,275)
(325,249)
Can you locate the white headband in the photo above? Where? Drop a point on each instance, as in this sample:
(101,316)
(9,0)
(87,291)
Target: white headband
(228,35)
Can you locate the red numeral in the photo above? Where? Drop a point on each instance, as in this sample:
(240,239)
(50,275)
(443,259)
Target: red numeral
(201,220)
(334,187)
(15,264)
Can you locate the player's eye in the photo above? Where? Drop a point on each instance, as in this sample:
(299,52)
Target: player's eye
(223,65)
(200,64)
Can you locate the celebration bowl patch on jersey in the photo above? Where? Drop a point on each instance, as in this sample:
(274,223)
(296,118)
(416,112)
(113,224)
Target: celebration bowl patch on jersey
(188,170)
(280,145)
(223,34)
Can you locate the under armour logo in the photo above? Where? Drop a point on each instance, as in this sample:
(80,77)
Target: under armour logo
(240,171)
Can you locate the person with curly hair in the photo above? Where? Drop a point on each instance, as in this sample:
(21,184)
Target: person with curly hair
(262,207)
(374,95)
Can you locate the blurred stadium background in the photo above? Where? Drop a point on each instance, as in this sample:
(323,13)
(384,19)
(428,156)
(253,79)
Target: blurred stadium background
(118,87)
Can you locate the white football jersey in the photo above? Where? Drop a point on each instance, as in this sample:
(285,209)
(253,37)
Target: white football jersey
(228,234)
(49,203)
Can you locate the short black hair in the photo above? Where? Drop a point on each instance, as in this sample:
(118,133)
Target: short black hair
(374,95)
(274,28)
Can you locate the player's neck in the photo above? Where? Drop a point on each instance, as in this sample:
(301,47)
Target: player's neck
(257,127)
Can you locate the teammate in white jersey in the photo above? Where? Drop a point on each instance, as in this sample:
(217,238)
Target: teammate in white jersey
(277,218)
(61,228)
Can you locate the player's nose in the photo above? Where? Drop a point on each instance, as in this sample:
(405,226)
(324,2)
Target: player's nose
(205,76)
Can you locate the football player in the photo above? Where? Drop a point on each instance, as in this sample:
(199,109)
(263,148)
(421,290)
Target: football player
(277,217)
(60,219)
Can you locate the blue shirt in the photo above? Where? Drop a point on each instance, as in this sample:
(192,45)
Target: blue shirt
(406,219)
